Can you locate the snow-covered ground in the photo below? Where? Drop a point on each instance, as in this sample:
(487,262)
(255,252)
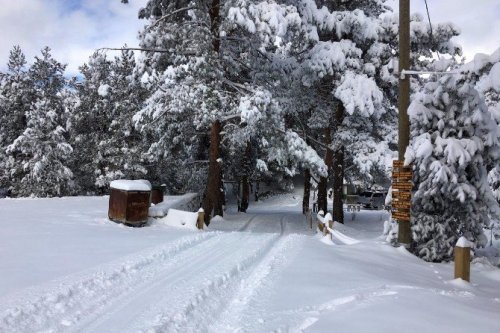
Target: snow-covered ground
(66,268)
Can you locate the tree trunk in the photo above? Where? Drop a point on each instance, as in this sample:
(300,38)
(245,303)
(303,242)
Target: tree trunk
(257,188)
(338,184)
(338,171)
(214,195)
(307,191)
(245,195)
(323,181)
(214,13)
(213,198)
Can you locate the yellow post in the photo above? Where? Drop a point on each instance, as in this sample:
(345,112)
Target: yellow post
(201,219)
(329,223)
(462,259)
(320,217)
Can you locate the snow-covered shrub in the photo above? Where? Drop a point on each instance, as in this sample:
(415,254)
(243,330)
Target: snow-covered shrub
(455,142)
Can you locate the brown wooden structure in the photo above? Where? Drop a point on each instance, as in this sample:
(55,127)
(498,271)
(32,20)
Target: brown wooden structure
(401,199)
(129,207)
(462,262)
(157,194)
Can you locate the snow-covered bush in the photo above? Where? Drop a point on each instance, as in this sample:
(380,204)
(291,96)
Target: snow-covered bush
(455,143)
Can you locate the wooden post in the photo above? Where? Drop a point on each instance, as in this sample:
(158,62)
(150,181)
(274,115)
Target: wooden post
(330,221)
(462,259)
(320,217)
(201,219)
(404,236)
(404,81)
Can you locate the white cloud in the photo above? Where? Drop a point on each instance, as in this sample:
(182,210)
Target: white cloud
(75,28)
(72,29)
(478,20)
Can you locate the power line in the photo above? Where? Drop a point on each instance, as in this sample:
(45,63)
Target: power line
(430,26)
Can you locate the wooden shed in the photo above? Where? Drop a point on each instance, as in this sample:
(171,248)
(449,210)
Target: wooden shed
(129,201)
(157,193)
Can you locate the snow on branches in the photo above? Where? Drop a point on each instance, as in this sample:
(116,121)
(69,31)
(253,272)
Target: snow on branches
(455,144)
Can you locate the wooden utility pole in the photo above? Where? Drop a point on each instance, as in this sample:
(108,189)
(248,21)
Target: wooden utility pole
(404,81)
(404,236)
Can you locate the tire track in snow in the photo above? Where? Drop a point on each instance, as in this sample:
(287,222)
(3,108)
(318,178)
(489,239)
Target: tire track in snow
(298,320)
(232,319)
(69,300)
(247,223)
(174,284)
(91,302)
(239,283)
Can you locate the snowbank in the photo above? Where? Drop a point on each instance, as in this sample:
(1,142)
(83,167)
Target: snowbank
(131,185)
(180,219)
(463,242)
(185,202)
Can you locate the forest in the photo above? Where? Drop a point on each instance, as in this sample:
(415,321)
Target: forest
(244,91)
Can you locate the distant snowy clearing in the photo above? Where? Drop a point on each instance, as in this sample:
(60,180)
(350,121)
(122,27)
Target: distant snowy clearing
(66,268)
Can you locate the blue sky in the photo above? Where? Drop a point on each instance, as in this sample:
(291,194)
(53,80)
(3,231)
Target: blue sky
(75,28)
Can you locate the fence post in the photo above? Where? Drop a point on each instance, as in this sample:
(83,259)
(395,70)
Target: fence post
(462,259)
(201,218)
(319,218)
(328,219)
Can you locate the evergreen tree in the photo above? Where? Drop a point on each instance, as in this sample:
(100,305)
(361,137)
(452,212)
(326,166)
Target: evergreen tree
(209,75)
(43,144)
(15,99)
(90,121)
(454,143)
(120,151)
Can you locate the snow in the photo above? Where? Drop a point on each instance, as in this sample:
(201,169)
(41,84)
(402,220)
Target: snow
(131,185)
(103,90)
(495,77)
(184,202)
(463,242)
(180,219)
(65,268)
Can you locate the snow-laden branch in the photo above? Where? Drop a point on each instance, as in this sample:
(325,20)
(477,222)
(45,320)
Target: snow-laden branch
(322,145)
(145,49)
(405,72)
(132,49)
(164,17)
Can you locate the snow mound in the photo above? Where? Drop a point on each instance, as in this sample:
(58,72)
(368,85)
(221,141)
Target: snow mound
(326,239)
(103,90)
(180,219)
(343,238)
(217,218)
(463,242)
(131,185)
(460,283)
(184,202)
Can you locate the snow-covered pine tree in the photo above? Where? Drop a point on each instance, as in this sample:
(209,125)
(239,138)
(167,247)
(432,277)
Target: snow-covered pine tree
(486,69)
(15,99)
(107,146)
(90,121)
(349,57)
(203,76)
(43,144)
(454,141)
(120,150)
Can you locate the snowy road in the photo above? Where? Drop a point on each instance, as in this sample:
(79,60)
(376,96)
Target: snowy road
(175,288)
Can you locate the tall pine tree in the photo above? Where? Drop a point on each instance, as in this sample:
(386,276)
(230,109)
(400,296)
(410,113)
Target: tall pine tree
(43,145)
